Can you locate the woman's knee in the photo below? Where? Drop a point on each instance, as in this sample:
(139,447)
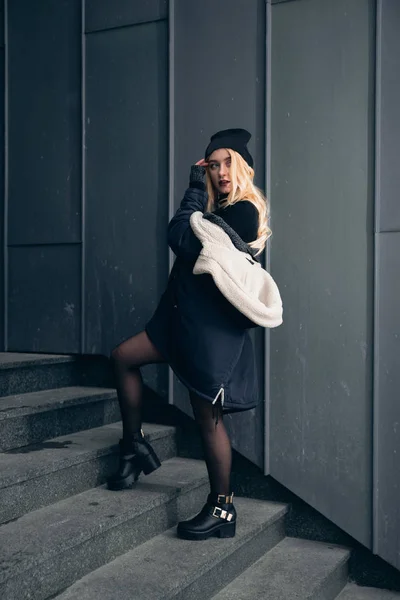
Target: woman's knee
(135,352)
(118,355)
(125,355)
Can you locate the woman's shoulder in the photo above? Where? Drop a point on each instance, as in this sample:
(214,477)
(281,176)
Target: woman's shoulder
(242,217)
(244,207)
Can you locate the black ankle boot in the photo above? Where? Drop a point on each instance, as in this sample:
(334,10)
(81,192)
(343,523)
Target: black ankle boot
(217,517)
(136,455)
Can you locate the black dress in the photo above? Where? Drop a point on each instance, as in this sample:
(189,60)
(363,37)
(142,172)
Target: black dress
(194,327)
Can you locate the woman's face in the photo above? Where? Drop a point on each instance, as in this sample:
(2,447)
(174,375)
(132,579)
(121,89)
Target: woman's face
(219,164)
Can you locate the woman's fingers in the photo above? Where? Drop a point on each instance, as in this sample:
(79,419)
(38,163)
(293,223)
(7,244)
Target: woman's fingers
(202,163)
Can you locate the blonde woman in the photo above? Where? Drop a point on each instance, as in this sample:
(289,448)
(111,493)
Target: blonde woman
(199,333)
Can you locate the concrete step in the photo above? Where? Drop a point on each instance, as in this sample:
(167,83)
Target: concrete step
(23,372)
(36,476)
(47,550)
(167,567)
(33,417)
(10,360)
(356,592)
(294,569)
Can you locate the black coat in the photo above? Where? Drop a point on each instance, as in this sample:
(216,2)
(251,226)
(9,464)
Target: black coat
(194,327)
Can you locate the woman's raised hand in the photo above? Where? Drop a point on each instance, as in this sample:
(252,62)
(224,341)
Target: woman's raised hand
(202,163)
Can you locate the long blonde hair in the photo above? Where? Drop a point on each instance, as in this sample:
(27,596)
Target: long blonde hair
(243,188)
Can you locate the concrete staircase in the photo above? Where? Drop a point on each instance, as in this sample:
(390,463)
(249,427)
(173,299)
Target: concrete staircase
(64,535)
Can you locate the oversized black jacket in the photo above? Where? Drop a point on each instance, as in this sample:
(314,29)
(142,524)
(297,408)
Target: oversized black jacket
(194,327)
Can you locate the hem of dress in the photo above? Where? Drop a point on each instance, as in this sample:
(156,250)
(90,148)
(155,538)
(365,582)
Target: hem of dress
(228,405)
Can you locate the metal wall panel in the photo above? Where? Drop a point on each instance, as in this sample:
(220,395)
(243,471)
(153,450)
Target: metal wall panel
(103,14)
(388,122)
(44,298)
(44,143)
(387,396)
(126,182)
(322,256)
(2,23)
(216,86)
(2,196)
(387,288)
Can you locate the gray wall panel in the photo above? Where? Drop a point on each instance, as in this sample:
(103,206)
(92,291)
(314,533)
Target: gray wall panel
(103,14)
(126,182)
(388,122)
(387,405)
(2,201)
(218,86)
(2,22)
(44,298)
(387,288)
(44,96)
(322,256)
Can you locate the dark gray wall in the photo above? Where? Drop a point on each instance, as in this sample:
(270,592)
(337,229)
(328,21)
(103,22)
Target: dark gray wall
(120,13)
(2,194)
(322,256)
(44,226)
(88,174)
(387,286)
(126,173)
(216,86)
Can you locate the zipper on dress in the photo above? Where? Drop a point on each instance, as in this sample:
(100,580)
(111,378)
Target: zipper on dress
(221,394)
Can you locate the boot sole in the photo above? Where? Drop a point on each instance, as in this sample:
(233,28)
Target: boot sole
(123,484)
(148,465)
(227,530)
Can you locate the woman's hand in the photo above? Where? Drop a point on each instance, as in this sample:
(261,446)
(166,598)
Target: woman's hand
(198,176)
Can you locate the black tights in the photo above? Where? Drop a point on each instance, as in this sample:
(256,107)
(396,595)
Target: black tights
(127,358)
(216,444)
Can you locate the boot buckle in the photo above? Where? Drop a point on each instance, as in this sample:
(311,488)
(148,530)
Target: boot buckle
(221,513)
(222,499)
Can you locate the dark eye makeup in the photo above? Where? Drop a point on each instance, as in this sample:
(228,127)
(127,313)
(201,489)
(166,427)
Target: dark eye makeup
(213,164)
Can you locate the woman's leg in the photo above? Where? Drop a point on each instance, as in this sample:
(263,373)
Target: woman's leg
(136,453)
(127,358)
(216,443)
(218,515)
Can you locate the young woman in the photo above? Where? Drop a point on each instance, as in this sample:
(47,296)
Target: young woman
(199,333)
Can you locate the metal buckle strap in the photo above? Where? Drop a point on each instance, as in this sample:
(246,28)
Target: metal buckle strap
(223,514)
(221,499)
